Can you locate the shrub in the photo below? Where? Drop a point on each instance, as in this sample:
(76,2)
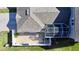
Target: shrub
(16,34)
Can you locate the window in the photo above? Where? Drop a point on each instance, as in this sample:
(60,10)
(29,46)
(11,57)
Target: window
(52,30)
(49,30)
(72,23)
(56,29)
(72,20)
(66,29)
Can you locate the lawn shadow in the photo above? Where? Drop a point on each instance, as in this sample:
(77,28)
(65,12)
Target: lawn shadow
(60,42)
(11,24)
(9,39)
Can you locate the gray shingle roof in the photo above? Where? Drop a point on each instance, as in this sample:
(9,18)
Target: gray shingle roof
(39,16)
(46,17)
(29,26)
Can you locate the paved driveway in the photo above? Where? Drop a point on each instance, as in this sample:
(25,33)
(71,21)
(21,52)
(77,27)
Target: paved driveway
(4,18)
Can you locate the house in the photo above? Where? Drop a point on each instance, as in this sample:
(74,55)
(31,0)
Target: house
(32,23)
(37,26)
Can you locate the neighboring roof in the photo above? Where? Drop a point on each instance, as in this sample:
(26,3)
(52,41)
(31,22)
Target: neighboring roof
(77,23)
(35,22)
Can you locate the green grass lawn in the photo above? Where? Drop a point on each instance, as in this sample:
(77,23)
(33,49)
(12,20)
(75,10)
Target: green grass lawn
(4,11)
(3,40)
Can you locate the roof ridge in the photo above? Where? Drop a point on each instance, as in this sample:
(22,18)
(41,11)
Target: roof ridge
(36,19)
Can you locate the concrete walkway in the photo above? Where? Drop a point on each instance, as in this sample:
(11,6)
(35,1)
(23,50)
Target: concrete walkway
(4,18)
